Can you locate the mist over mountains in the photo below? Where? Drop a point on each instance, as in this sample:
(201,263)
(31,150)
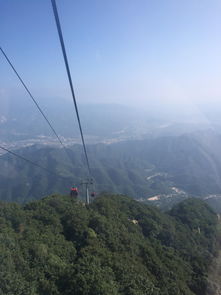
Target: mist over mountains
(162,154)
(127,201)
(20,120)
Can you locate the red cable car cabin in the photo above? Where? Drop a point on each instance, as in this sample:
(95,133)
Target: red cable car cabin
(74,191)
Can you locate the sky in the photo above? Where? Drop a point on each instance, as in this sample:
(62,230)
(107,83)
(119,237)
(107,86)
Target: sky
(120,51)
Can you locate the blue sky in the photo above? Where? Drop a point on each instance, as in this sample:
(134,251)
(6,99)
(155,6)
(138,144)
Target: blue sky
(122,51)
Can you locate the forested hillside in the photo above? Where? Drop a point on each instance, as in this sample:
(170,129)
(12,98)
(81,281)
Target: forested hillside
(187,165)
(116,245)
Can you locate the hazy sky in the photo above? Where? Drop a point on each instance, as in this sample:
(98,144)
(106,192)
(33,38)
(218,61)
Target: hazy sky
(127,51)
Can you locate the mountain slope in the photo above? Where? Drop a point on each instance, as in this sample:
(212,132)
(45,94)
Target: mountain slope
(142,169)
(114,246)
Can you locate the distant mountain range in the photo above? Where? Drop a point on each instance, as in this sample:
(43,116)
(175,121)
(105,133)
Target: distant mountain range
(171,168)
(20,120)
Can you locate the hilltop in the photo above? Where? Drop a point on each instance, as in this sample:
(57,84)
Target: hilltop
(116,245)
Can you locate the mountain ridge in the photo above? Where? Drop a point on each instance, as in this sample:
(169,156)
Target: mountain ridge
(177,167)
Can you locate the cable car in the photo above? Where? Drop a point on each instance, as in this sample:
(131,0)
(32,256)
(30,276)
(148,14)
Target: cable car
(93,194)
(74,191)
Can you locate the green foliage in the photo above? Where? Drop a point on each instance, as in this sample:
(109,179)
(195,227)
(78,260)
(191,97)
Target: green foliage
(115,246)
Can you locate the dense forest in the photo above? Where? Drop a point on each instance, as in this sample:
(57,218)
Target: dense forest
(59,245)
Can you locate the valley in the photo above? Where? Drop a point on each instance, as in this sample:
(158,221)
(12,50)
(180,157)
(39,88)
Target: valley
(162,170)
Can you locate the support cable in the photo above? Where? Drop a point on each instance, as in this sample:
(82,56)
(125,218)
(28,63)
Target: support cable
(30,162)
(35,102)
(56,16)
